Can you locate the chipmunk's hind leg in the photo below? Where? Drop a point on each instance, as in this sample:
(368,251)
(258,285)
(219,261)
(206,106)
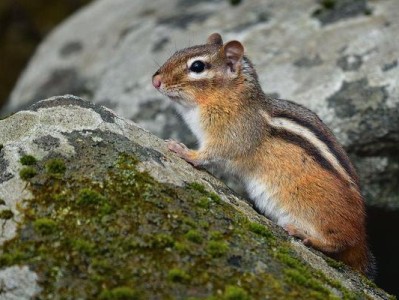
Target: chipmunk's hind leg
(292,230)
(310,241)
(327,248)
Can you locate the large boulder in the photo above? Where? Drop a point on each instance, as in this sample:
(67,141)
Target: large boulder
(339,58)
(94,207)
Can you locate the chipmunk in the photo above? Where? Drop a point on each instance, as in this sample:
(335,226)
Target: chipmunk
(295,171)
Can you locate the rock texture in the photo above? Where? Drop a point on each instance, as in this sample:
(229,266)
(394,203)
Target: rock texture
(97,208)
(339,58)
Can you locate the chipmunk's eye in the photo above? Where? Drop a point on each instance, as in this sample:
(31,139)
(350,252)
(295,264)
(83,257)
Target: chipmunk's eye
(197,66)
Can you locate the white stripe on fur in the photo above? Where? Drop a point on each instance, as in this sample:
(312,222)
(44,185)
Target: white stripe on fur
(293,127)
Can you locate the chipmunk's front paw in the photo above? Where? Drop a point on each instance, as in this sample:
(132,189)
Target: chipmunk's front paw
(179,148)
(182,151)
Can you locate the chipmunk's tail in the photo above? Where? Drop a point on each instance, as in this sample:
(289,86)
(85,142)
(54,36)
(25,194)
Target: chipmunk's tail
(361,259)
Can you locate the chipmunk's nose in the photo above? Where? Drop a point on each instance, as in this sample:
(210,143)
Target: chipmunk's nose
(156,80)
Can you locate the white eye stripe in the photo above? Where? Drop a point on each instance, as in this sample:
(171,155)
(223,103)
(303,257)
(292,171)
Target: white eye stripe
(204,74)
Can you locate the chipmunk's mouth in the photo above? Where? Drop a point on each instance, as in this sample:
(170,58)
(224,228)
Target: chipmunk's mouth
(178,100)
(174,98)
(177,97)
(172,95)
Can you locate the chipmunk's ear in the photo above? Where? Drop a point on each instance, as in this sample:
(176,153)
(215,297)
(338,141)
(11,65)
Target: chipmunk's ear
(215,38)
(233,51)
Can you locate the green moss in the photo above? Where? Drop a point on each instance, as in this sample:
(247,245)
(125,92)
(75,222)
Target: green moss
(182,247)
(286,256)
(28,160)
(2,202)
(235,293)
(194,236)
(162,240)
(346,294)
(7,259)
(204,202)
(215,198)
(119,293)
(45,226)
(216,235)
(189,221)
(209,196)
(260,229)
(299,274)
(60,197)
(55,166)
(217,248)
(197,187)
(83,246)
(90,197)
(297,277)
(203,224)
(6,214)
(128,230)
(334,263)
(27,173)
(178,275)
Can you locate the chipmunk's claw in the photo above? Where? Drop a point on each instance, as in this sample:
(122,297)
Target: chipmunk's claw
(176,147)
(183,152)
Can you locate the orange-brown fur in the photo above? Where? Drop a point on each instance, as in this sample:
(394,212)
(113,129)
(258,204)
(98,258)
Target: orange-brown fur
(319,200)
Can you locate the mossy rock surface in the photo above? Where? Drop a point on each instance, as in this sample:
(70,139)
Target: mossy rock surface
(110,214)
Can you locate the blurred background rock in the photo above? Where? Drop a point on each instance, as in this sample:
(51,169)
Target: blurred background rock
(23,24)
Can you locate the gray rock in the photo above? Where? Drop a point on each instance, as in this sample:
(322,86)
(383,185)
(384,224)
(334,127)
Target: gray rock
(336,57)
(79,224)
(18,283)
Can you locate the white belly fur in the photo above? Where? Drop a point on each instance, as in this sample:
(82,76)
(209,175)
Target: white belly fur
(192,118)
(266,201)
